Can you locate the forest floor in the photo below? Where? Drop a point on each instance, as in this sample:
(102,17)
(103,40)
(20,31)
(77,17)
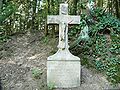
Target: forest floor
(24,53)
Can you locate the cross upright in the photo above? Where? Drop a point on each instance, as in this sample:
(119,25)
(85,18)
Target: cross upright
(63,19)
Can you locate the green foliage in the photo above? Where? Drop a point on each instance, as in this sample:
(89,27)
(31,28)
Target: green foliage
(7,10)
(82,5)
(36,73)
(111,67)
(104,43)
(115,44)
(104,31)
(76,29)
(45,40)
(3,36)
(51,86)
(106,35)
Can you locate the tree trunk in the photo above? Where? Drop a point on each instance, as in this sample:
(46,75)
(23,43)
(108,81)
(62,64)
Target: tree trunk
(117,7)
(53,12)
(1,2)
(33,14)
(48,1)
(75,7)
(100,3)
(110,6)
(47,12)
(46,28)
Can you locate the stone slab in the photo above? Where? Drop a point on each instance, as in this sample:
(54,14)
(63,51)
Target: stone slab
(63,74)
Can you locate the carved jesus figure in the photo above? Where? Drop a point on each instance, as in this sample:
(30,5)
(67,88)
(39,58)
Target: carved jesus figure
(63,36)
(63,19)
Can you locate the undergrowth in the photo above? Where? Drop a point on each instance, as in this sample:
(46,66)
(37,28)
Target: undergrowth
(103,45)
(6,11)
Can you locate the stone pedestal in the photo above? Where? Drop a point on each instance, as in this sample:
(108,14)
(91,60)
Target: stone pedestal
(63,70)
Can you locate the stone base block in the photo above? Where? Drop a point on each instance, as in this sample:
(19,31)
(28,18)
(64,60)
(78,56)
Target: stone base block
(63,74)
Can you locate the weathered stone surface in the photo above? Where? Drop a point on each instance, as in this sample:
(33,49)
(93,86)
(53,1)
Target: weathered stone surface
(63,20)
(63,68)
(63,9)
(58,19)
(62,55)
(63,73)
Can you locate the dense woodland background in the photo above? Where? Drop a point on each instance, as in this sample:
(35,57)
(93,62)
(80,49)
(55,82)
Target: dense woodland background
(100,46)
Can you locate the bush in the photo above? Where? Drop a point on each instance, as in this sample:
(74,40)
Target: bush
(7,11)
(104,43)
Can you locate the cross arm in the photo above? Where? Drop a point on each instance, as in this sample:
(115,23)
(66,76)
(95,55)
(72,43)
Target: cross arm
(74,20)
(52,19)
(57,19)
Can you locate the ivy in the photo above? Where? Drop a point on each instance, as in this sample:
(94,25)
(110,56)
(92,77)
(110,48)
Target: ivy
(104,43)
(7,10)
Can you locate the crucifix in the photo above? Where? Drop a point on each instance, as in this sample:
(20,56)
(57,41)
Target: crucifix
(63,68)
(63,19)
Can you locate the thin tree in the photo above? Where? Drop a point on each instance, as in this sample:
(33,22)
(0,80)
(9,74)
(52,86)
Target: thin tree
(1,2)
(117,8)
(75,6)
(100,3)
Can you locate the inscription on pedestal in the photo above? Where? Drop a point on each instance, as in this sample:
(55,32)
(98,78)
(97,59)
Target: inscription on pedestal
(63,73)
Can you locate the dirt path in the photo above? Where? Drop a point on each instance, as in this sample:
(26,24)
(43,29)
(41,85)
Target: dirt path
(25,53)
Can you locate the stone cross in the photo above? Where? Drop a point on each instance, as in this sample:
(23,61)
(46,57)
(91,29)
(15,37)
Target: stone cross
(63,20)
(63,68)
